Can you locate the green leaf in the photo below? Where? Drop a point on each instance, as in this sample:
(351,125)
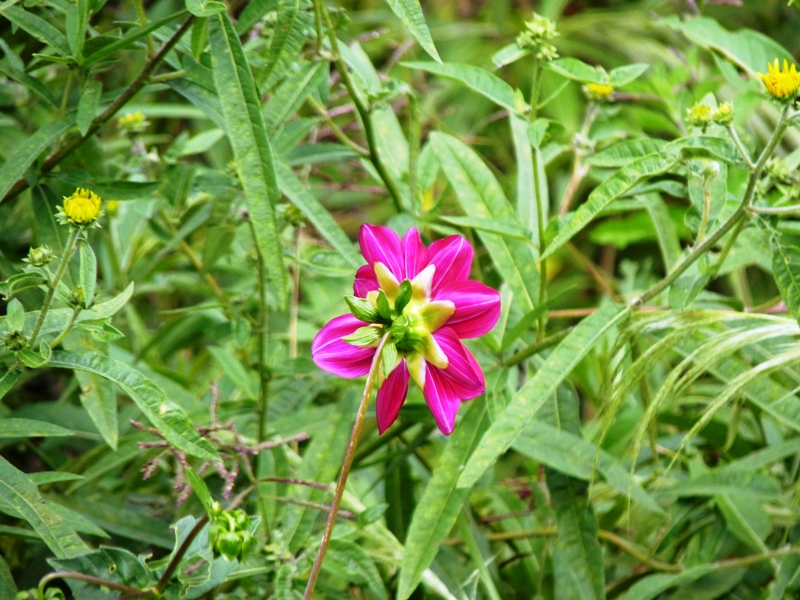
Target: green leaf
(537,130)
(363,337)
(529,399)
(20,494)
(724,481)
(410,13)
(482,197)
(24,428)
(247,133)
(33,84)
(87,105)
(29,150)
(47,477)
(15,314)
(786,268)
(200,489)
(76,22)
(604,194)
(746,519)
(388,357)
(290,31)
(8,589)
(623,75)
(253,12)
(622,153)
(480,80)
(8,377)
(577,70)
(652,586)
(168,418)
(441,501)
(577,557)
(88,273)
(205,8)
(298,195)
(506,229)
(38,28)
(293,93)
(346,559)
(748,49)
(574,456)
(130,38)
(508,54)
(235,370)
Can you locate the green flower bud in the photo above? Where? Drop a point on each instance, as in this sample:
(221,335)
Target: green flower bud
(229,545)
(39,257)
(724,114)
(537,37)
(248,541)
(78,298)
(14,340)
(294,216)
(700,115)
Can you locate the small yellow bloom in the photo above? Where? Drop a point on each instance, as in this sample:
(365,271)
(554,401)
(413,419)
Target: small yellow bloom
(599,91)
(82,208)
(133,122)
(724,114)
(700,115)
(783,84)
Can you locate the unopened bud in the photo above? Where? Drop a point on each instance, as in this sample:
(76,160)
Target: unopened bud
(14,340)
(700,115)
(724,114)
(39,257)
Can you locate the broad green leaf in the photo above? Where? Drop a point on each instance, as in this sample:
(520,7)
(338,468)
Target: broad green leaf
(76,23)
(572,455)
(247,133)
(23,428)
(786,268)
(20,494)
(349,560)
(475,78)
(624,75)
(15,314)
(200,489)
(253,12)
(746,519)
(29,150)
(577,557)
(205,8)
(410,13)
(481,197)
(202,142)
(441,502)
(234,369)
(38,28)
(508,54)
(748,49)
(622,153)
(319,217)
(163,414)
(575,69)
(604,194)
(47,477)
(752,485)
(33,84)
(530,398)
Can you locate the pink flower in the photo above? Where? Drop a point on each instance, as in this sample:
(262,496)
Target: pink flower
(424,298)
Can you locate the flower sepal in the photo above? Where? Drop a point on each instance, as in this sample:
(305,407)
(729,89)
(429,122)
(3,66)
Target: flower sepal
(363,309)
(365,337)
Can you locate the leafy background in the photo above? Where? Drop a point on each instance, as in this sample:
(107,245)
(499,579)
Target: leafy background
(616,453)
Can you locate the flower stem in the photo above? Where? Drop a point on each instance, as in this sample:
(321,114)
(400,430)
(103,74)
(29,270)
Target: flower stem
(51,289)
(348,461)
(99,581)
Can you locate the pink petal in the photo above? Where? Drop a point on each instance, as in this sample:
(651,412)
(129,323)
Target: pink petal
(415,255)
(336,356)
(391,396)
(365,282)
(463,372)
(453,259)
(381,244)
(477,307)
(441,399)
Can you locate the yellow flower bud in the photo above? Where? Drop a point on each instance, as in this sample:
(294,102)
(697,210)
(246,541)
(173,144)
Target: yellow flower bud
(724,114)
(599,92)
(700,115)
(133,122)
(81,209)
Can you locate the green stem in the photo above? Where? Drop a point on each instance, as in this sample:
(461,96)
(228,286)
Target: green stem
(414,144)
(740,146)
(741,213)
(137,84)
(726,249)
(67,329)
(51,289)
(151,49)
(361,108)
(540,208)
(340,135)
(99,581)
(776,210)
(346,464)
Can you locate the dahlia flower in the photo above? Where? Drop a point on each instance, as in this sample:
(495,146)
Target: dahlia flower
(423,302)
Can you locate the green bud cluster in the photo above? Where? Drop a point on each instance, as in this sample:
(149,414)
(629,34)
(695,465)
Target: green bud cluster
(14,340)
(39,257)
(700,115)
(230,534)
(537,36)
(724,114)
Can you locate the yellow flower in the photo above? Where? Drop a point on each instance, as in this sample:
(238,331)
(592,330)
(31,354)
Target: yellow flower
(700,115)
(599,91)
(81,208)
(783,84)
(133,122)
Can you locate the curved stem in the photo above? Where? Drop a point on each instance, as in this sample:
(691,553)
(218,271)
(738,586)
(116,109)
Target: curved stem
(348,462)
(99,581)
(51,289)
(179,554)
(775,210)
(67,329)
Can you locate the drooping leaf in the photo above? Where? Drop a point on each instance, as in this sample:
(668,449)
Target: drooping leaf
(168,418)
(410,13)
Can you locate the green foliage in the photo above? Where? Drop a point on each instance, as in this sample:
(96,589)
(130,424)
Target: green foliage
(164,431)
